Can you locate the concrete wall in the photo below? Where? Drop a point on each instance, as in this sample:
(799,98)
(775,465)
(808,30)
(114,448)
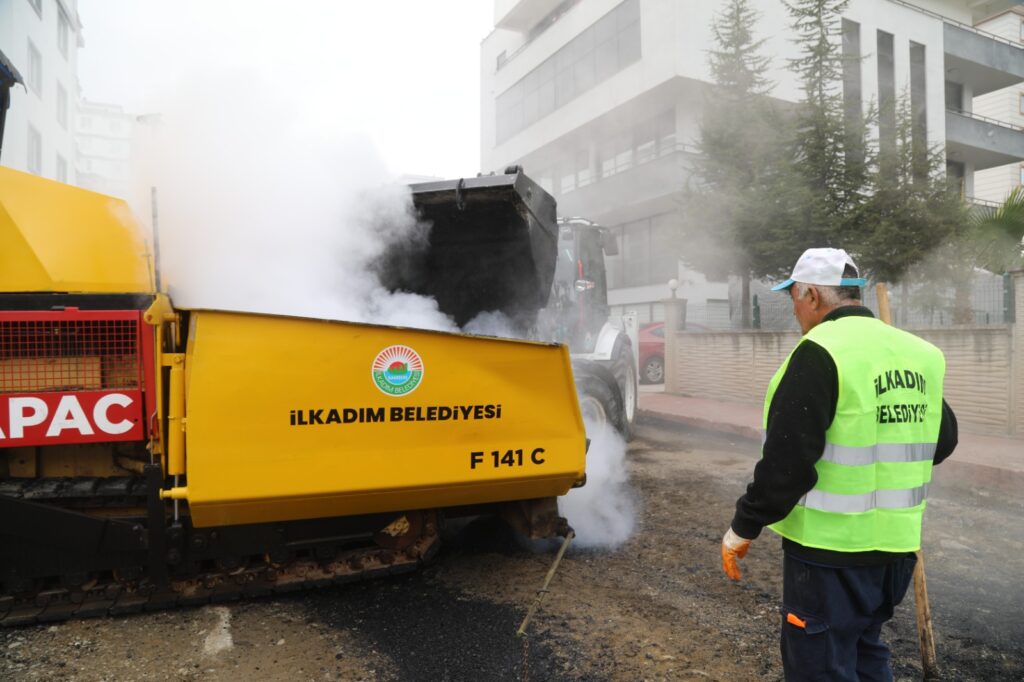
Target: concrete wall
(1004,105)
(994,184)
(20,26)
(977,375)
(984,368)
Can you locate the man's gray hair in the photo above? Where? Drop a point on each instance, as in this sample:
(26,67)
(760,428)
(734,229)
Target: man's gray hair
(830,296)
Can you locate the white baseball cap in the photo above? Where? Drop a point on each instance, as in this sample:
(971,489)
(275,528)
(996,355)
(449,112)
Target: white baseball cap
(824,267)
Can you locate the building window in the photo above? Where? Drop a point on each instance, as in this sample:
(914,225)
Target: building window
(623,153)
(568,182)
(955,177)
(37,5)
(35,69)
(853,116)
(35,151)
(954,96)
(646,141)
(665,129)
(62,33)
(1022,30)
(647,253)
(919,110)
(600,51)
(886,92)
(1020,106)
(546,180)
(576,172)
(62,106)
(1020,180)
(62,169)
(584,176)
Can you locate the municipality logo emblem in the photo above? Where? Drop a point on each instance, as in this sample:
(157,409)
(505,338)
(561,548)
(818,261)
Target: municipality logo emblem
(397,370)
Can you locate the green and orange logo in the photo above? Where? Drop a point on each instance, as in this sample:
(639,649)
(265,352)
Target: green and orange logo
(397,370)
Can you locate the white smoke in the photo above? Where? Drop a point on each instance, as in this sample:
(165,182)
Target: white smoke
(603,512)
(492,323)
(257,212)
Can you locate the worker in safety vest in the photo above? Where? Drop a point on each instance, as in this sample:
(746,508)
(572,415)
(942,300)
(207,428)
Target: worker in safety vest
(854,420)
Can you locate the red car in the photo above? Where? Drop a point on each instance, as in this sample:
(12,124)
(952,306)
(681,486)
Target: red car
(652,353)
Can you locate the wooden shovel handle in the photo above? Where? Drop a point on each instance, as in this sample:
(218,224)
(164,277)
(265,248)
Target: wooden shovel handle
(924,612)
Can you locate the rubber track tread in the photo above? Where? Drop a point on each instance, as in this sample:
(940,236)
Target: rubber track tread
(111,598)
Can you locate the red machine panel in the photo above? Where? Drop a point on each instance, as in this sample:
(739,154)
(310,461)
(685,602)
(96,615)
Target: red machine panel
(72,376)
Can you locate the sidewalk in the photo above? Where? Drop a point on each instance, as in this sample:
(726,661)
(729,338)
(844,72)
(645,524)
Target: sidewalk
(994,463)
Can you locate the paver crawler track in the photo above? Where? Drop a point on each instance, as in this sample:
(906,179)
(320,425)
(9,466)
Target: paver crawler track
(56,595)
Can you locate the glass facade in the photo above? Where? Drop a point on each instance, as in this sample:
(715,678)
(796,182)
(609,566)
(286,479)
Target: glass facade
(35,151)
(647,252)
(602,50)
(645,141)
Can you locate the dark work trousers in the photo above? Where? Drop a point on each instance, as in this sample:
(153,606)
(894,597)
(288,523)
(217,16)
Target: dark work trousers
(832,619)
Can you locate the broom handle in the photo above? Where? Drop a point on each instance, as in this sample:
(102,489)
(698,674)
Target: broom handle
(924,612)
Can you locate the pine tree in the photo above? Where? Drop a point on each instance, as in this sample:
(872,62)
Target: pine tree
(830,156)
(724,220)
(736,63)
(912,213)
(912,209)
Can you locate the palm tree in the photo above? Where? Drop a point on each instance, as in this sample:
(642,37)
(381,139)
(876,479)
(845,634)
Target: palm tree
(998,235)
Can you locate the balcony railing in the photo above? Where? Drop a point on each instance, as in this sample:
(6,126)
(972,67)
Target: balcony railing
(623,164)
(546,23)
(986,119)
(960,24)
(985,203)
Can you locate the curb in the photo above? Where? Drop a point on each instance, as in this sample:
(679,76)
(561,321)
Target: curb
(979,479)
(953,474)
(700,423)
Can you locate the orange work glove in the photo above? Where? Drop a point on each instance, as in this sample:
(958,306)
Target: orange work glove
(733,548)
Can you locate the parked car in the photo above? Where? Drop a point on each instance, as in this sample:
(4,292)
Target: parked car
(652,353)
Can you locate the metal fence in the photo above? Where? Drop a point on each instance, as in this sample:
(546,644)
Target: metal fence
(913,306)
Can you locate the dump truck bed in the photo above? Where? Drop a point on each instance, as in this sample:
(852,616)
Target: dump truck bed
(492,247)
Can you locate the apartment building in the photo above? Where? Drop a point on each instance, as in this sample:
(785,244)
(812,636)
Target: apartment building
(1005,106)
(41,38)
(104,136)
(601,101)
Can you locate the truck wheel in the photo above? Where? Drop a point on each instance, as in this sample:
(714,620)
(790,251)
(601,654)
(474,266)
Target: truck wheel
(600,401)
(624,369)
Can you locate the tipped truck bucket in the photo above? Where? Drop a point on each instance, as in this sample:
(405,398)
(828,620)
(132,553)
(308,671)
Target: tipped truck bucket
(492,247)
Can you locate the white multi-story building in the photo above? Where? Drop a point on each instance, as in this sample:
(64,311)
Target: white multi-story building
(601,100)
(1006,106)
(104,136)
(41,38)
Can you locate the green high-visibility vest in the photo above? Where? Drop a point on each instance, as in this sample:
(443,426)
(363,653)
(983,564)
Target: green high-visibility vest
(873,475)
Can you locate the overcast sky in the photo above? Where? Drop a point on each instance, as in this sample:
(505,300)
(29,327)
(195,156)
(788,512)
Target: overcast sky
(403,72)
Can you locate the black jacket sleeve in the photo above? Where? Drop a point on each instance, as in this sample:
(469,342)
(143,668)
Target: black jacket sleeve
(948,434)
(801,411)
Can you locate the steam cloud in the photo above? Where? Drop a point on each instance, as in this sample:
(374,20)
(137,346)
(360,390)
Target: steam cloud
(603,512)
(258,213)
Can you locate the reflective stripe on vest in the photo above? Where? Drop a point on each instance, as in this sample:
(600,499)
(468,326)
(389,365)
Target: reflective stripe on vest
(882,452)
(854,504)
